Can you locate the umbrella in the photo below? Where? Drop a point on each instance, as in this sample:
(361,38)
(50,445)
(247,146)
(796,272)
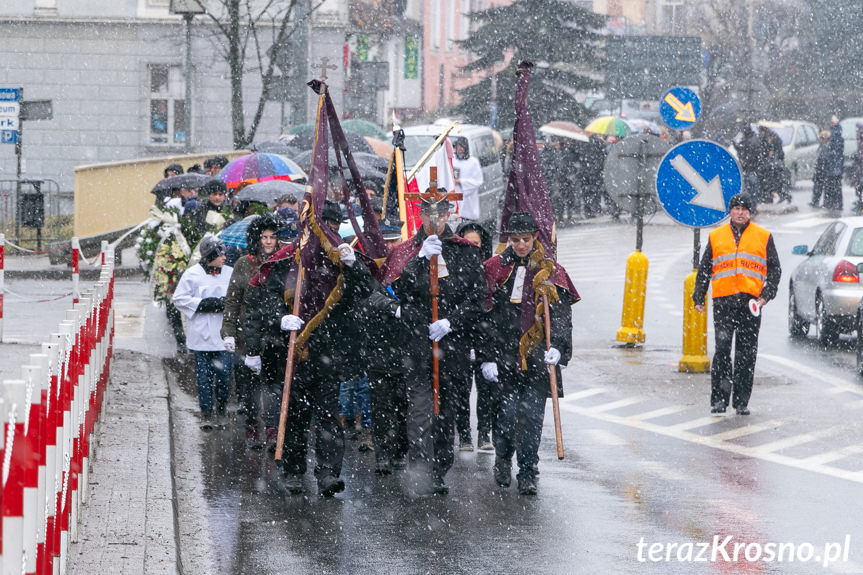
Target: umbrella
(609,126)
(270,191)
(300,128)
(192,181)
(280,147)
(641,125)
(381,147)
(364,128)
(235,234)
(260,167)
(305,139)
(369,165)
(564,130)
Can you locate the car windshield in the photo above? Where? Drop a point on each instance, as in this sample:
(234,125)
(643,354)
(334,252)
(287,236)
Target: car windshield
(784,133)
(415,147)
(855,246)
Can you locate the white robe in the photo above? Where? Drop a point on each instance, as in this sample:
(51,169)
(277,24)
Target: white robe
(203,330)
(470,179)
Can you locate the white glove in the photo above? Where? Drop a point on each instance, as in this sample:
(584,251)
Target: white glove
(253,362)
(398,312)
(552,356)
(291,323)
(347,255)
(472,355)
(230,344)
(439,329)
(432,246)
(489,371)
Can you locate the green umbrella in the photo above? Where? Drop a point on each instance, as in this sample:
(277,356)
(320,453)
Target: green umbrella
(366,128)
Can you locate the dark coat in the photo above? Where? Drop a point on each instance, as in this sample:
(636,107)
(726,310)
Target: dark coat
(750,153)
(835,152)
(336,340)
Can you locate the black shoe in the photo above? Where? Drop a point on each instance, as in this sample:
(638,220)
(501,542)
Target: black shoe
(207,421)
(502,472)
(526,485)
(743,410)
(484,442)
(329,486)
(294,484)
(383,466)
(439,487)
(398,463)
(718,407)
(221,409)
(464,443)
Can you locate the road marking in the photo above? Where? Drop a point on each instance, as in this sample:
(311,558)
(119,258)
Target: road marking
(583,394)
(836,454)
(617,404)
(606,437)
(657,413)
(755,452)
(661,469)
(800,439)
(693,423)
(841,383)
(746,430)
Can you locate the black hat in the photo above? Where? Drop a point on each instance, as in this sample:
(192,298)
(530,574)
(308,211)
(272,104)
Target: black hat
(290,224)
(521,223)
(391,229)
(220,161)
(377,204)
(176,168)
(214,186)
(432,205)
(332,213)
(211,247)
(742,200)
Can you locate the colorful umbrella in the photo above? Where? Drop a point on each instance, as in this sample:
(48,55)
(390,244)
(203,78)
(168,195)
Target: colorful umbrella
(564,130)
(609,126)
(260,167)
(235,234)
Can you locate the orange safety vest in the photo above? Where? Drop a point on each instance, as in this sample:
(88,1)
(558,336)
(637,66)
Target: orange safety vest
(739,268)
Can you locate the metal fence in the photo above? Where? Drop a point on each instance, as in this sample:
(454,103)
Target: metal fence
(33,211)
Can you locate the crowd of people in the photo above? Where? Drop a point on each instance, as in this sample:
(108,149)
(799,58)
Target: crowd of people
(364,365)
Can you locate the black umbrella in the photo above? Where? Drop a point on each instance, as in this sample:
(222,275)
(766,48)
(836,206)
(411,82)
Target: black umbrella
(369,165)
(192,181)
(270,191)
(276,147)
(305,139)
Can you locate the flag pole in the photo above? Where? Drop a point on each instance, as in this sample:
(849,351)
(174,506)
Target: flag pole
(428,154)
(552,376)
(289,368)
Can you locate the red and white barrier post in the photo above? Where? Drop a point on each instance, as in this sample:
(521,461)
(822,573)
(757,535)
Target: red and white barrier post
(32,376)
(14,470)
(76,249)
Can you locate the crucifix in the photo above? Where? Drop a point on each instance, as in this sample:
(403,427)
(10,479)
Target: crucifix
(324,66)
(432,198)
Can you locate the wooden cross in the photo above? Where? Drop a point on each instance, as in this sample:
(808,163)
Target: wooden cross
(324,66)
(433,195)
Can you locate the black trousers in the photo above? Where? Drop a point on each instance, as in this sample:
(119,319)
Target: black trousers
(733,323)
(487,399)
(314,391)
(248,385)
(389,414)
(272,380)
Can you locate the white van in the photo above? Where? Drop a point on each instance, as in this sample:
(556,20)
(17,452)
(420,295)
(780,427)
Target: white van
(481,144)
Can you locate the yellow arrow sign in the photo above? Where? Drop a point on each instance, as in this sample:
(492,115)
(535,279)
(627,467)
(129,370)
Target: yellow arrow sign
(685,112)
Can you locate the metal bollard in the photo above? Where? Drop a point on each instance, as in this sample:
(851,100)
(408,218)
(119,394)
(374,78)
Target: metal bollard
(2,279)
(76,249)
(634,292)
(694,358)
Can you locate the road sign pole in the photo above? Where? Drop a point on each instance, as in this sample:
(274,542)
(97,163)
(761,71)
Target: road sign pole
(18,172)
(694,359)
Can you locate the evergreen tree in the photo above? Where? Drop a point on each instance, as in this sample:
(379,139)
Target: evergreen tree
(561,38)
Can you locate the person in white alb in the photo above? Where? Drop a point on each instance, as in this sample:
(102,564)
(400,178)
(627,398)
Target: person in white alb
(468,179)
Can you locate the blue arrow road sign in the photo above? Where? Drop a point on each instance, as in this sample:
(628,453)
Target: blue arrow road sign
(695,181)
(680,108)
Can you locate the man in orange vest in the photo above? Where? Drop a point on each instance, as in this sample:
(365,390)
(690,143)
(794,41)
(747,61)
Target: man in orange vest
(741,264)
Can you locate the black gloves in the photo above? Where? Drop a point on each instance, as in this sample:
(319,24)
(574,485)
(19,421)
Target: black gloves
(211,305)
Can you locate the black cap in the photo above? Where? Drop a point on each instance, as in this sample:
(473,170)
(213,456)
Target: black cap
(214,186)
(742,200)
(332,213)
(220,161)
(176,168)
(211,247)
(391,229)
(521,223)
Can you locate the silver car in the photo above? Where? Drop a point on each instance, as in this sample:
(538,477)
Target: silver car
(825,289)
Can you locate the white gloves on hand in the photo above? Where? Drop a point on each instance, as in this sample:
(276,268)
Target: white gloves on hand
(489,371)
(253,362)
(552,356)
(439,329)
(432,246)
(398,312)
(347,255)
(291,323)
(230,344)
(473,355)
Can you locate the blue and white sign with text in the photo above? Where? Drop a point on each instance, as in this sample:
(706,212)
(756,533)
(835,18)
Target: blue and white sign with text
(680,108)
(695,181)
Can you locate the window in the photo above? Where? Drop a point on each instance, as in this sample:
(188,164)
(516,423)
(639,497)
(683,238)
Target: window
(167,105)
(826,244)
(450,24)
(435,24)
(672,16)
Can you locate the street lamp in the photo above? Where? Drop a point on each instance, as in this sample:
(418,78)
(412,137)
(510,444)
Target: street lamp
(188,8)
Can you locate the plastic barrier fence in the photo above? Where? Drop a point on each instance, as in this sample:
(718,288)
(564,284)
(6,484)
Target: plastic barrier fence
(50,417)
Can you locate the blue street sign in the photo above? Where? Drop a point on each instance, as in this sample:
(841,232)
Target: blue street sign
(695,181)
(9,95)
(680,108)
(8,136)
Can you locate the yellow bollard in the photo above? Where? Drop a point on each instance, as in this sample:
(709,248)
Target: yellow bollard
(694,358)
(634,292)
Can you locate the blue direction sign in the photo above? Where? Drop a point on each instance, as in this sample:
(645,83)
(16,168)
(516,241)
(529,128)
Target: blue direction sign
(680,108)
(9,114)
(695,181)
(9,94)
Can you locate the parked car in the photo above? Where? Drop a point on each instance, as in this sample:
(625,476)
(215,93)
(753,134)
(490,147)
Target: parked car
(825,289)
(849,134)
(800,144)
(481,143)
